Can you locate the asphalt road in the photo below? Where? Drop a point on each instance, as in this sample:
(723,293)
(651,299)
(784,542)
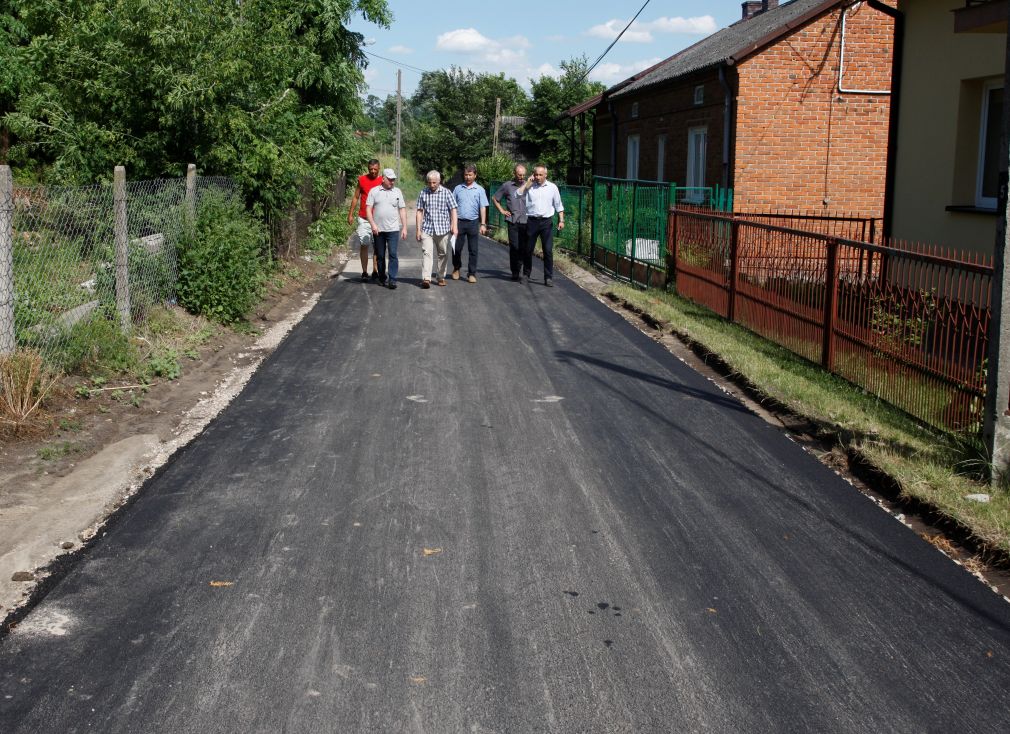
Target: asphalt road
(500,508)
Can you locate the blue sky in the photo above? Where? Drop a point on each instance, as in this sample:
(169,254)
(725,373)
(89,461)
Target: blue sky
(498,37)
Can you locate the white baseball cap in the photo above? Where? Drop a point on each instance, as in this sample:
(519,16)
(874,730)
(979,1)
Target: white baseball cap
(389,173)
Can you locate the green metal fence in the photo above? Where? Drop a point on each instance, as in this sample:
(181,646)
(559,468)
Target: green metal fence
(629,224)
(576,237)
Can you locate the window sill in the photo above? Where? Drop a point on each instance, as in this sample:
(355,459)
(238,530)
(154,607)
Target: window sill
(966,209)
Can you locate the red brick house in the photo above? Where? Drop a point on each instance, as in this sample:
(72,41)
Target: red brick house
(789,107)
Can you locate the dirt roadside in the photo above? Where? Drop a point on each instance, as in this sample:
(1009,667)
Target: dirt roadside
(58,490)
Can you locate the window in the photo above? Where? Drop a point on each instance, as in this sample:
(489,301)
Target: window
(660,157)
(987,184)
(634,110)
(632,170)
(699,94)
(697,141)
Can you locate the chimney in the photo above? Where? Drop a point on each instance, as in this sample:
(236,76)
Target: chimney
(754,7)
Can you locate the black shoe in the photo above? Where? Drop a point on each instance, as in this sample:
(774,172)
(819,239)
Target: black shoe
(517,278)
(364,277)
(548,282)
(375,275)
(392,285)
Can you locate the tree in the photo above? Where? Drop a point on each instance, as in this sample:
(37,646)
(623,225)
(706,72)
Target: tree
(453,115)
(265,92)
(14,71)
(546,131)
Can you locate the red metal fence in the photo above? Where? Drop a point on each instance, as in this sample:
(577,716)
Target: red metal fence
(908,323)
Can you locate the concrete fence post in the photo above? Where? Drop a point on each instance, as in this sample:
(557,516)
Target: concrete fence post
(190,197)
(122,248)
(7,336)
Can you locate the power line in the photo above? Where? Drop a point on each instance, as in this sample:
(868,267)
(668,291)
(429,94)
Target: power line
(399,63)
(607,50)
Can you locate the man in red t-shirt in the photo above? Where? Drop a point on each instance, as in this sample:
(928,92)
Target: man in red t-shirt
(366,183)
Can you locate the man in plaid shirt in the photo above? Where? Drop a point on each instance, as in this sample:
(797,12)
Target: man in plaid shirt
(436,220)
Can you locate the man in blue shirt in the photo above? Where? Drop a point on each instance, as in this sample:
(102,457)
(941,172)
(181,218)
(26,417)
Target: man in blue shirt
(471,212)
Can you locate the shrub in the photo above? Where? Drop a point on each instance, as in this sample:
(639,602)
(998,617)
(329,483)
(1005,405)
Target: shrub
(94,344)
(24,384)
(495,169)
(221,262)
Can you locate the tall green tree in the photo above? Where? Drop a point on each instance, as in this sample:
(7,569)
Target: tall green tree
(14,71)
(453,116)
(265,91)
(546,131)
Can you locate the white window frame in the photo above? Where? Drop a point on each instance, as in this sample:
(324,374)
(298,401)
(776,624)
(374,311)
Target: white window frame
(660,157)
(699,94)
(634,110)
(695,172)
(984,202)
(634,143)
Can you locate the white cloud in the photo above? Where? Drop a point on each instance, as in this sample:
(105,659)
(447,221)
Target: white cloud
(545,70)
(463,40)
(506,55)
(610,73)
(611,28)
(700,25)
(643,32)
(403,50)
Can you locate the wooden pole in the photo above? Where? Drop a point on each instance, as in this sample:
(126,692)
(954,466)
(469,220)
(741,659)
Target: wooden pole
(497,123)
(191,197)
(399,113)
(7,334)
(122,248)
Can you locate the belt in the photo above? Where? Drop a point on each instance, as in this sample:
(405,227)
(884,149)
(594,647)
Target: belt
(530,216)
(460,219)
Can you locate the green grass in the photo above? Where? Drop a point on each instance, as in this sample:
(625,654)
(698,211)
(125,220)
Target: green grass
(930,466)
(54,451)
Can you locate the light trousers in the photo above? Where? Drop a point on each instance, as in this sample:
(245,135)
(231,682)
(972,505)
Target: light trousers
(430,242)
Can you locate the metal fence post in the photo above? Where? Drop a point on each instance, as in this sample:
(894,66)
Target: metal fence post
(734,267)
(191,197)
(671,246)
(592,225)
(122,248)
(634,233)
(830,306)
(7,334)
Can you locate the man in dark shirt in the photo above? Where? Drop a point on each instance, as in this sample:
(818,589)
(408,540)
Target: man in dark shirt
(515,216)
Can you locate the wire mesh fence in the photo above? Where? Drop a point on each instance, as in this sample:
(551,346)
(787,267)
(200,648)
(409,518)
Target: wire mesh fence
(629,234)
(77,259)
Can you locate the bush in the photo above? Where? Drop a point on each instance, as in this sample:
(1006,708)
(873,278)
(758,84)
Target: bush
(221,262)
(495,168)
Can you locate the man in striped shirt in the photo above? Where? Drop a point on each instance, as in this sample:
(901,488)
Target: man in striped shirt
(436,221)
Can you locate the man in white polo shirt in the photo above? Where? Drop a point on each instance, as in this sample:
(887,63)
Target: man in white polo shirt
(387,214)
(543,201)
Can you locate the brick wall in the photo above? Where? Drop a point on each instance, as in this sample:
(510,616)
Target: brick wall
(802,144)
(669,111)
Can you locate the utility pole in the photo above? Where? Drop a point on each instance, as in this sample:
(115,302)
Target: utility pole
(996,425)
(399,112)
(497,121)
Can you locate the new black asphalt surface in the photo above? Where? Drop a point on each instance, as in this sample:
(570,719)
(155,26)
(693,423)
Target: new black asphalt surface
(500,508)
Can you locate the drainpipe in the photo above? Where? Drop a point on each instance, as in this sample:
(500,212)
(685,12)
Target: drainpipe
(897,52)
(727,122)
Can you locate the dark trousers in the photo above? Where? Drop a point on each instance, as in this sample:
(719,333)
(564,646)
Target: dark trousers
(542,227)
(519,252)
(468,230)
(382,241)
